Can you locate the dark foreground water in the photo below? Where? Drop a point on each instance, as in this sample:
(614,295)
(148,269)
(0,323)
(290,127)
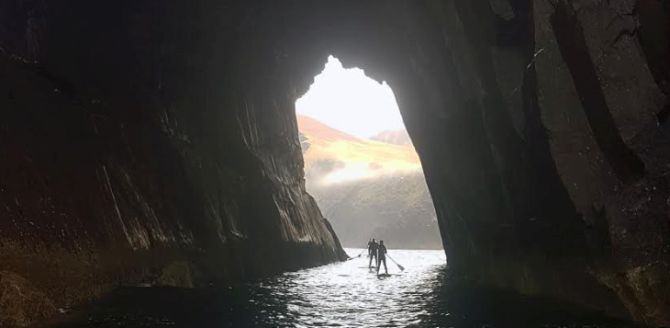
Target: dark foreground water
(344,294)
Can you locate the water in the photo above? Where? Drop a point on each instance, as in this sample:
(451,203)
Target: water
(350,295)
(344,294)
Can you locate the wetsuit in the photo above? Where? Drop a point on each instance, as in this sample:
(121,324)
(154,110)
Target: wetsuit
(381,258)
(373,253)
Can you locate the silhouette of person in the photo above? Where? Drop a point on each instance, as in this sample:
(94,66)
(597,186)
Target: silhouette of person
(372,252)
(381,256)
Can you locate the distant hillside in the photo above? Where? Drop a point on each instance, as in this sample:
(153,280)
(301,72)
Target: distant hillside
(332,156)
(395,137)
(316,129)
(396,209)
(368,188)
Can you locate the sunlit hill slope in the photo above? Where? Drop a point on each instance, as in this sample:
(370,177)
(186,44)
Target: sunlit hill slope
(339,157)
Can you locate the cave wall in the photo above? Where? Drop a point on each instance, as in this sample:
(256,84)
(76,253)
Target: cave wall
(570,111)
(135,151)
(163,133)
(556,179)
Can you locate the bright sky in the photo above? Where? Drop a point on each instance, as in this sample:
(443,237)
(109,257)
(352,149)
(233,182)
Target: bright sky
(349,101)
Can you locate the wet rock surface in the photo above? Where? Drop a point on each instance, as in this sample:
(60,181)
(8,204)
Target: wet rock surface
(136,134)
(20,303)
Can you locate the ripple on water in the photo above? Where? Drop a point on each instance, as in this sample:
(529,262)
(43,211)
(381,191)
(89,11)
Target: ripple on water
(349,294)
(344,294)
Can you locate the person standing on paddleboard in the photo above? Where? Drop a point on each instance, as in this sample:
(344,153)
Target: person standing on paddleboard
(381,256)
(372,251)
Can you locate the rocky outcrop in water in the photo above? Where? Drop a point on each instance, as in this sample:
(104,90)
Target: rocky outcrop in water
(136,134)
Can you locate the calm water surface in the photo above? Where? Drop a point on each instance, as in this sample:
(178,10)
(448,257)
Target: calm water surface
(349,294)
(344,294)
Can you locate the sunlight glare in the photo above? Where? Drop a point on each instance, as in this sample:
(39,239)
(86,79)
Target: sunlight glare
(348,100)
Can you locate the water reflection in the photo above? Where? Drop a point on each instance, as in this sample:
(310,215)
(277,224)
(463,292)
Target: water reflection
(338,295)
(348,294)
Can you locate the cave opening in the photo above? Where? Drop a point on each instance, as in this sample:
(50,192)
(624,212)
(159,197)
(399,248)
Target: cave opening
(360,164)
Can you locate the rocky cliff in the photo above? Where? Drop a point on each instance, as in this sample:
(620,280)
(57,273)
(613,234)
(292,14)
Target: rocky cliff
(136,134)
(119,165)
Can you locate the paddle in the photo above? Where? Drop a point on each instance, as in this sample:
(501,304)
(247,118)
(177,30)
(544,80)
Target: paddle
(357,256)
(402,268)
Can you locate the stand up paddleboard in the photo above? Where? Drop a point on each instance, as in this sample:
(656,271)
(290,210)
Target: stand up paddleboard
(385,275)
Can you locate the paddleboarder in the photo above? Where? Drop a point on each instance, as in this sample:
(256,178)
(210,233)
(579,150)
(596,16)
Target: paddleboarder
(372,251)
(381,257)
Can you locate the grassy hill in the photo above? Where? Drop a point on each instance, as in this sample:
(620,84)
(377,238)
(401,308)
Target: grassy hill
(333,156)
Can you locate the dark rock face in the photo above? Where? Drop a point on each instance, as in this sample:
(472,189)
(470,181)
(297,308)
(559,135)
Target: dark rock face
(139,135)
(20,303)
(121,166)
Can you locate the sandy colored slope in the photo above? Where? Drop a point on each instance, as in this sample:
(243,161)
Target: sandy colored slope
(374,157)
(311,127)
